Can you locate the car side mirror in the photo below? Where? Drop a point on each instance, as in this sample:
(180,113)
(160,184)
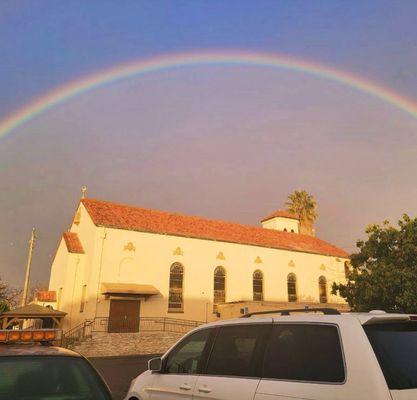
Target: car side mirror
(155,364)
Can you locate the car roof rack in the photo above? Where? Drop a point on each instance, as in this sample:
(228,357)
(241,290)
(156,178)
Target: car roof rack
(325,311)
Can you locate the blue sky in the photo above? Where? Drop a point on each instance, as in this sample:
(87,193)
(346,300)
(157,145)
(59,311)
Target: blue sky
(216,141)
(45,43)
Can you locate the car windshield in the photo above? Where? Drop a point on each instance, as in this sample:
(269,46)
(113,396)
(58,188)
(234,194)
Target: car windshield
(395,346)
(49,378)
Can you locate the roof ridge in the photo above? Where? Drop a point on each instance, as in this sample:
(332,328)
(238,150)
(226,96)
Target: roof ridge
(223,221)
(281,213)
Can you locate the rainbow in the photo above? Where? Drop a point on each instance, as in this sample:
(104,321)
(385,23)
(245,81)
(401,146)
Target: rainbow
(163,62)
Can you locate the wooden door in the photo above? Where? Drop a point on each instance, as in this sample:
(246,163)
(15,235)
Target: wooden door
(124,316)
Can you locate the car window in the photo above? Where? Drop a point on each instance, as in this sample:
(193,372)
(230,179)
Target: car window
(238,350)
(49,377)
(185,358)
(395,346)
(304,352)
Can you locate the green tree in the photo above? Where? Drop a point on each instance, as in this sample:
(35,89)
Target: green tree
(304,206)
(4,297)
(384,270)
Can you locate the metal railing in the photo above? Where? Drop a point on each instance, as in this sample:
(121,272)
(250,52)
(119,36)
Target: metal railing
(86,329)
(146,324)
(77,334)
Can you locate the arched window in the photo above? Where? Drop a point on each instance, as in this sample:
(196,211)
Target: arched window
(176,278)
(219,287)
(258,285)
(292,287)
(323,289)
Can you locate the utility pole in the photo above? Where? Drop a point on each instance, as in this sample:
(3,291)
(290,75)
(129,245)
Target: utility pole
(29,261)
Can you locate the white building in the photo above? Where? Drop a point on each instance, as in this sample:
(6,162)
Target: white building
(118,263)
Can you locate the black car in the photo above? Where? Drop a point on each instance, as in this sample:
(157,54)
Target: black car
(38,371)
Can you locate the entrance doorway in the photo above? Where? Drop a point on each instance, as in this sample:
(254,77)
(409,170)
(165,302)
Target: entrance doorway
(124,316)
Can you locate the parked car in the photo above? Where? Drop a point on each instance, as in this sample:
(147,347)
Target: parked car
(289,355)
(32,369)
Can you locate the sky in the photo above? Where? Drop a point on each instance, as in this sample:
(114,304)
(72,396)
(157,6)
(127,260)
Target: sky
(225,142)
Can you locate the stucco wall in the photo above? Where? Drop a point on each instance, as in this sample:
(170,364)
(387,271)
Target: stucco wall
(71,271)
(154,254)
(281,224)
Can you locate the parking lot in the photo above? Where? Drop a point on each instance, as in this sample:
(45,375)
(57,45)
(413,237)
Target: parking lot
(119,371)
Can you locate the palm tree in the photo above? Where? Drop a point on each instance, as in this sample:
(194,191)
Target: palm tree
(304,206)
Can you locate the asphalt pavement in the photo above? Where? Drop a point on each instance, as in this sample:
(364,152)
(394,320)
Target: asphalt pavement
(120,370)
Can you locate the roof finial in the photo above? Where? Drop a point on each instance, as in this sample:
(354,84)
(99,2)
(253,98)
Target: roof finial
(83,191)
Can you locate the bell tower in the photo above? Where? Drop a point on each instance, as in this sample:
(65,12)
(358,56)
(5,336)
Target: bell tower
(283,221)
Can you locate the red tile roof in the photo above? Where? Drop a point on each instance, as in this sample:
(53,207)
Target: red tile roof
(118,216)
(280,213)
(73,242)
(46,295)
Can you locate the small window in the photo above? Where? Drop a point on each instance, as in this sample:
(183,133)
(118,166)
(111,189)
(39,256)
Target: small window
(323,289)
(186,357)
(219,287)
(292,230)
(298,352)
(347,269)
(292,287)
(238,350)
(285,229)
(175,301)
(83,297)
(258,285)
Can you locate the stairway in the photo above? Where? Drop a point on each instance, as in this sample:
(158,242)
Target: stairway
(156,335)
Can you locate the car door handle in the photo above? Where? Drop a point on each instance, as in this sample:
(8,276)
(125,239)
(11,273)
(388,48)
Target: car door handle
(184,386)
(204,389)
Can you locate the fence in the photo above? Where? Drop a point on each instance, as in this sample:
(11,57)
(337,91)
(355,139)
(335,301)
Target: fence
(146,324)
(86,329)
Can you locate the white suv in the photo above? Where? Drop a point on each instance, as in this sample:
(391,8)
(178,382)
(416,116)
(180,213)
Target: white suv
(287,356)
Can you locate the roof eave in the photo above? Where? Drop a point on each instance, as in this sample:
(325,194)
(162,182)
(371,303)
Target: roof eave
(345,255)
